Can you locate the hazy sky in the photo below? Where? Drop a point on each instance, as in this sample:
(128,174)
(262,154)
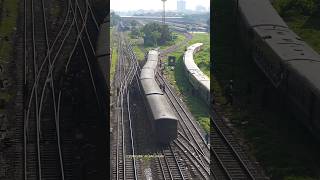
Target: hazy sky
(124,5)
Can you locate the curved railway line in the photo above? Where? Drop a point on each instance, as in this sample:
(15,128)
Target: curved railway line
(43,154)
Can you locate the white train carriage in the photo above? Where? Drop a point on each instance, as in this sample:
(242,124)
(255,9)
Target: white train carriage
(199,81)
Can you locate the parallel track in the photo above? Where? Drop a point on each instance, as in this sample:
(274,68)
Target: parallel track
(43,151)
(126,164)
(191,138)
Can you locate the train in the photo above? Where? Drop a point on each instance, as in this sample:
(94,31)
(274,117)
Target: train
(163,120)
(289,63)
(103,50)
(199,81)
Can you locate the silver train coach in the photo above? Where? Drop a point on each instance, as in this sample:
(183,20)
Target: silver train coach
(163,120)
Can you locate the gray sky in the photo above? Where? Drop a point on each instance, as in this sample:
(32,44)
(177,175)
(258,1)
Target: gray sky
(124,5)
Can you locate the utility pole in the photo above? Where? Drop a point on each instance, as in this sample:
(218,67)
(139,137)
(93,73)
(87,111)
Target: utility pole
(164,12)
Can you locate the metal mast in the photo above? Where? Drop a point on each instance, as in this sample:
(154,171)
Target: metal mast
(164,12)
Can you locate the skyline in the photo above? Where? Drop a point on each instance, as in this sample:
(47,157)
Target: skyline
(130,5)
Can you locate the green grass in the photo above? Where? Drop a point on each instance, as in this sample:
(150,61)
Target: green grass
(114,53)
(137,44)
(308,28)
(7,28)
(55,9)
(7,25)
(6,96)
(138,48)
(202,58)
(180,38)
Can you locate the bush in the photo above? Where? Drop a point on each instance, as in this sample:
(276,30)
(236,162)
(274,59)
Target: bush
(304,7)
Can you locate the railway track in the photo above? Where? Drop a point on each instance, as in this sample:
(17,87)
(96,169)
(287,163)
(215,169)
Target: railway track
(124,150)
(44,156)
(176,159)
(229,161)
(191,141)
(172,164)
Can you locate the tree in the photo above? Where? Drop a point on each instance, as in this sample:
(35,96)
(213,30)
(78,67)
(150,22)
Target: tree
(135,32)
(134,23)
(114,18)
(166,35)
(156,34)
(155,37)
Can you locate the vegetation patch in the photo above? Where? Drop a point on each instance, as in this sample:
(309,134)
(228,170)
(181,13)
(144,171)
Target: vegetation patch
(155,34)
(7,28)
(307,27)
(305,7)
(178,38)
(302,16)
(138,48)
(9,13)
(55,9)
(114,53)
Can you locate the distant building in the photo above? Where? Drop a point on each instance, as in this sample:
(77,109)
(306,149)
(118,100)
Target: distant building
(181,5)
(200,8)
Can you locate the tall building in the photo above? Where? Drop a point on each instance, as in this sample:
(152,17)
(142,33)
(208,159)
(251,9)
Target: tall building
(181,5)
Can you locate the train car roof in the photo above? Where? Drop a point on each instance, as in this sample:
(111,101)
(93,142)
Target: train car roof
(147,73)
(153,55)
(309,71)
(194,46)
(150,64)
(150,86)
(286,44)
(160,108)
(189,61)
(260,12)
(193,68)
(206,84)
